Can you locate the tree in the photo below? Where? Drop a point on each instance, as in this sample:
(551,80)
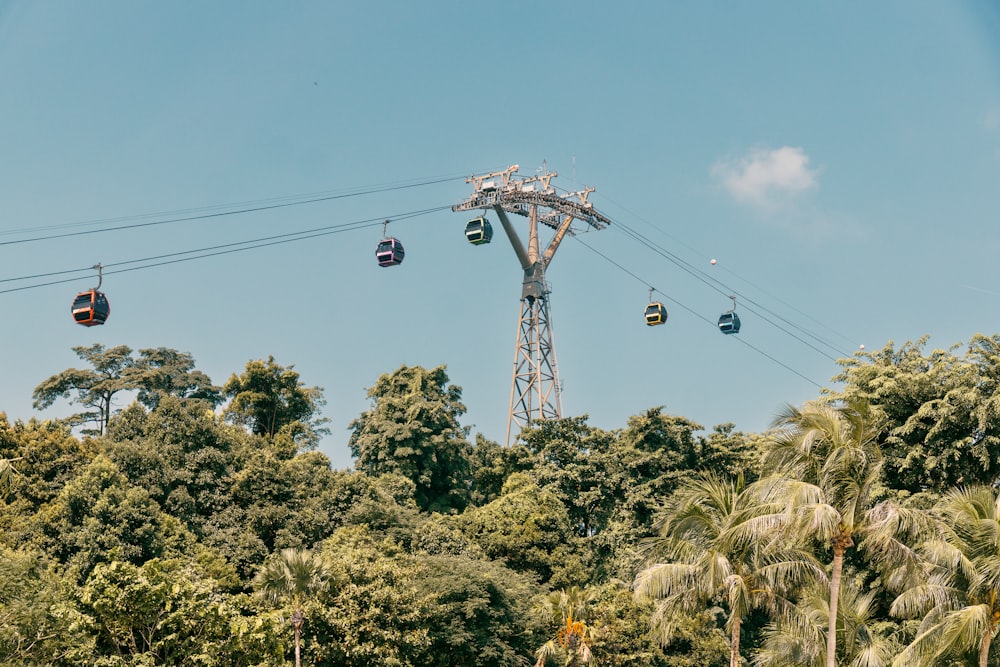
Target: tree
(529,528)
(480,611)
(95,387)
(829,467)
(797,638)
(291,578)
(161,371)
(7,473)
(940,411)
(412,430)
(716,540)
(269,399)
(573,458)
(171,612)
(375,612)
(960,597)
(571,645)
(39,623)
(98,517)
(156,373)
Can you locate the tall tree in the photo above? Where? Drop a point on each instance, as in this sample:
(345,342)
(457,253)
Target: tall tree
(94,387)
(291,578)
(162,371)
(829,467)
(412,430)
(797,638)
(157,372)
(940,410)
(579,461)
(960,598)
(269,398)
(716,540)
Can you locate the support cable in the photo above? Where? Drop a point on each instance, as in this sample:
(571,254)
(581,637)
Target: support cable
(229,248)
(205,216)
(697,314)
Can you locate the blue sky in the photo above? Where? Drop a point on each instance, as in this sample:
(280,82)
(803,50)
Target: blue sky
(840,160)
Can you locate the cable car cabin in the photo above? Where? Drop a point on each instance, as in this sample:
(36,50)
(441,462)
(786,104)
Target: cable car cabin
(479,231)
(656,313)
(729,323)
(389,252)
(91,308)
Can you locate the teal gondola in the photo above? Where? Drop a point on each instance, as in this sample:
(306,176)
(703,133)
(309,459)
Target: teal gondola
(729,321)
(479,231)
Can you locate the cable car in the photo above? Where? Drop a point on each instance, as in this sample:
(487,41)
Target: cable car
(91,308)
(729,321)
(479,231)
(656,313)
(389,252)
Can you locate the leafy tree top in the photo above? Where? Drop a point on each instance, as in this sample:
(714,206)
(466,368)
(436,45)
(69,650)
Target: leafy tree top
(269,399)
(412,430)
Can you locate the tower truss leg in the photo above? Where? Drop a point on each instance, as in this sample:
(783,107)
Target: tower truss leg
(535,390)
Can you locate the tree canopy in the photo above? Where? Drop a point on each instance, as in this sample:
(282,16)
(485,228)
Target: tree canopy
(413,430)
(180,530)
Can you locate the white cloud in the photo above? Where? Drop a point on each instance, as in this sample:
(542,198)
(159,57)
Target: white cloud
(766,178)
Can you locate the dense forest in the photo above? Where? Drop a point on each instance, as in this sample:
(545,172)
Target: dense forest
(200,525)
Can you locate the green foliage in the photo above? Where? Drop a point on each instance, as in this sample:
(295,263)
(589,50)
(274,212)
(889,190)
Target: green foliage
(99,517)
(412,430)
(798,638)
(155,373)
(39,624)
(941,411)
(169,612)
(292,578)
(161,371)
(529,529)
(94,388)
(373,613)
(47,455)
(959,595)
(480,615)
(269,399)
(181,454)
(572,461)
(716,543)
(492,464)
(140,547)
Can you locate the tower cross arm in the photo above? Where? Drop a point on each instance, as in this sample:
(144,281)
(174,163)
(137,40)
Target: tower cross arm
(486,182)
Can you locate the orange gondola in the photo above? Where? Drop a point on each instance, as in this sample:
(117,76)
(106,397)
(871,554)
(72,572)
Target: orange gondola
(91,308)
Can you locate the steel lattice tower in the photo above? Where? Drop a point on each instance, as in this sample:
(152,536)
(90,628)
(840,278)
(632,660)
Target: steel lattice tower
(535,388)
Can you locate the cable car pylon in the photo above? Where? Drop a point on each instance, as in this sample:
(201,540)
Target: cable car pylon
(535,387)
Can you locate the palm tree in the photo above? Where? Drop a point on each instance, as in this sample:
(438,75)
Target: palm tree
(716,538)
(292,577)
(960,597)
(798,639)
(828,467)
(573,639)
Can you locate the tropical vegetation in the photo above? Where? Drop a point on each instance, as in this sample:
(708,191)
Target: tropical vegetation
(171,521)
